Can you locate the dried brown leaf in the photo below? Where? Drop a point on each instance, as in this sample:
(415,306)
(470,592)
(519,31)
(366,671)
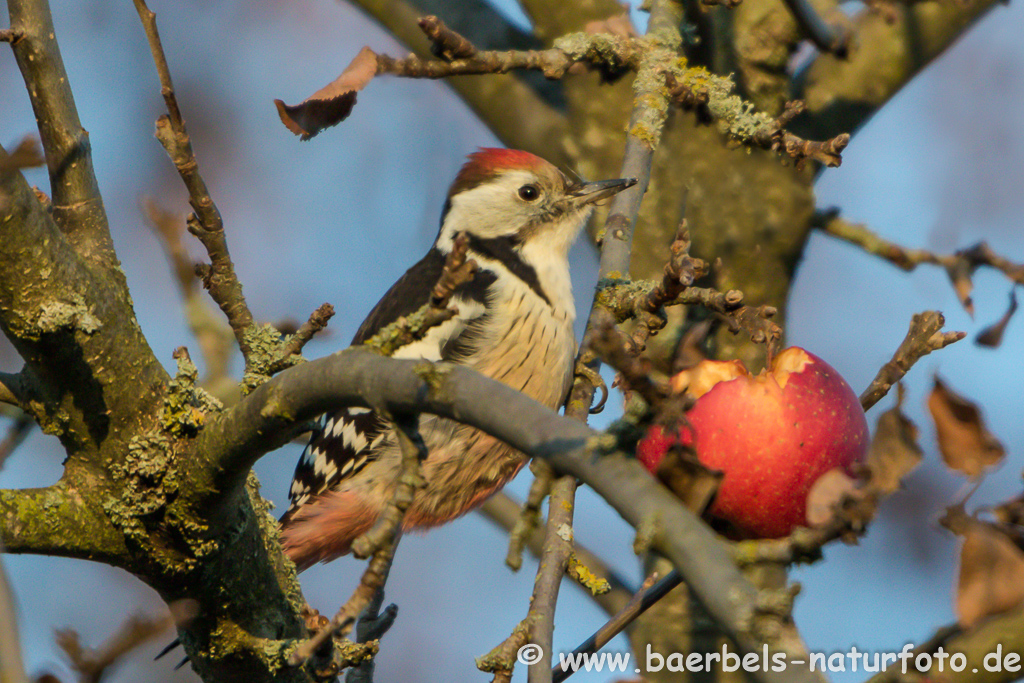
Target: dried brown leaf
(960,275)
(965,443)
(826,494)
(332,104)
(991,574)
(992,336)
(894,452)
(694,483)
(27,154)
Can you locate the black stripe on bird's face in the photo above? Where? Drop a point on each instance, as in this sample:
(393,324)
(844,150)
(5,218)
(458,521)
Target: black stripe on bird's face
(503,250)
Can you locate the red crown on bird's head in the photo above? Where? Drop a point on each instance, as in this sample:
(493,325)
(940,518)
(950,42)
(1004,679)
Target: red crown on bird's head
(484,163)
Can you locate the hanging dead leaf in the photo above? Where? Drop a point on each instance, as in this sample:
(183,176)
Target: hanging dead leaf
(960,275)
(965,443)
(992,336)
(332,104)
(827,494)
(894,452)
(694,484)
(26,155)
(991,574)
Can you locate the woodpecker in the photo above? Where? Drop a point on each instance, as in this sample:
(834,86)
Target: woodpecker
(514,324)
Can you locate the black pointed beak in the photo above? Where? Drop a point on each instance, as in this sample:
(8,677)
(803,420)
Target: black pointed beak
(588,193)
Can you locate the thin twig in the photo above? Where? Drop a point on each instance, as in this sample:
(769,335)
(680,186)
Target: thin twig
(923,337)
(960,266)
(628,299)
(775,137)
(446,43)
(649,594)
(389,523)
(27,154)
(77,203)
(502,510)
(214,335)
(558,548)
(16,433)
(458,271)
(380,541)
(205,223)
(529,517)
(373,579)
(372,626)
(92,664)
(680,272)
(825,37)
(318,320)
(12,668)
(650,109)
(10,35)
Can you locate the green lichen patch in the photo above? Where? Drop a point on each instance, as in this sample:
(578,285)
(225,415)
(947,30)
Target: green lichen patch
(433,375)
(264,343)
(70,315)
(587,578)
(186,405)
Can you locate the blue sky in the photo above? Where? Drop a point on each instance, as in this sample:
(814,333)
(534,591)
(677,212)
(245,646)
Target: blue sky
(339,218)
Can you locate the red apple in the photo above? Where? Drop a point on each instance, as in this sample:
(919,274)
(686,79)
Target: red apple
(772,435)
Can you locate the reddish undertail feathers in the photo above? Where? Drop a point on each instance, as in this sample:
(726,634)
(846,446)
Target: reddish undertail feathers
(514,324)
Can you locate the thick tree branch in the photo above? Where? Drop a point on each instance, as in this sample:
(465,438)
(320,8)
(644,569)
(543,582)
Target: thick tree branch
(77,204)
(89,374)
(884,55)
(58,521)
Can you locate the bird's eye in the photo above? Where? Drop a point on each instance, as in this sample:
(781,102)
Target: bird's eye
(528,192)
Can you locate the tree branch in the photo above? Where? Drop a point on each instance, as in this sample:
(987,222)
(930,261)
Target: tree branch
(825,37)
(505,103)
(206,223)
(960,266)
(842,93)
(12,668)
(57,521)
(77,204)
(504,511)
(923,337)
(75,329)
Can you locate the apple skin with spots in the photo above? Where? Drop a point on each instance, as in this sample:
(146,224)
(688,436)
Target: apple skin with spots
(772,435)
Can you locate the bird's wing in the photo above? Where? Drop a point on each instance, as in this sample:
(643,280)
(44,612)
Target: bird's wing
(352,437)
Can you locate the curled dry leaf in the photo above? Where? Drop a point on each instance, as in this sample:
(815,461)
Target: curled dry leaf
(26,155)
(332,104)
(826,494)
(991,574)
(694,483)
(992,336)
(965,443)
(960,275)
(894,452)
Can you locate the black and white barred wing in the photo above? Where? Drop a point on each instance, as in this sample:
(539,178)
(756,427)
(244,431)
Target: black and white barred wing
(351,438)
(344,444)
